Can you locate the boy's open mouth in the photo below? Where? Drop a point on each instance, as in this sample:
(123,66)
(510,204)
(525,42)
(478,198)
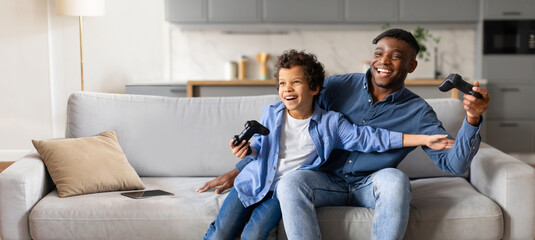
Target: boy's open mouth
(290,98)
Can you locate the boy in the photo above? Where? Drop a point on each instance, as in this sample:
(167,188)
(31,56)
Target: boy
(302,137)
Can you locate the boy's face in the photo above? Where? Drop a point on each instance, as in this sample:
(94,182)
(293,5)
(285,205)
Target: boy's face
(295,92)
(392,60)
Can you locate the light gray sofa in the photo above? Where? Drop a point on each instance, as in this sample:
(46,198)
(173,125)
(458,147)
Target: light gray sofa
(177,144)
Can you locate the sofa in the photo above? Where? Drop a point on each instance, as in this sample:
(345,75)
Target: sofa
(177,144)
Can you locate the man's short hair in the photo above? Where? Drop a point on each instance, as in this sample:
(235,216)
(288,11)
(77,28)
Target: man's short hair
(401,35)
(314,71)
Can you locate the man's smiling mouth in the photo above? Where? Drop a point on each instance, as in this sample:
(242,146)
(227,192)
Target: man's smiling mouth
(383,71)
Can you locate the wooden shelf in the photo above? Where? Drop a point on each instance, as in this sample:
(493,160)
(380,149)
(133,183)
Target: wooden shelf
(193,87)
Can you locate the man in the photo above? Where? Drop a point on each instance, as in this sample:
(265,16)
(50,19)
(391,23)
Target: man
(378,99)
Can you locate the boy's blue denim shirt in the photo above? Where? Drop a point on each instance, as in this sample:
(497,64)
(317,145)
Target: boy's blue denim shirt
(328,130)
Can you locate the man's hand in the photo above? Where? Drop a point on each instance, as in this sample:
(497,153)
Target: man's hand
(225,182)
(476,106)
(439,142)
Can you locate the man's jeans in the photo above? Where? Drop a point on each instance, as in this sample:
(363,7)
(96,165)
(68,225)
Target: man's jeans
(256,221)
(387,191)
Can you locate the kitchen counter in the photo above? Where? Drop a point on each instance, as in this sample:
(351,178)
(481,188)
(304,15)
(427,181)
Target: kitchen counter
(261,87)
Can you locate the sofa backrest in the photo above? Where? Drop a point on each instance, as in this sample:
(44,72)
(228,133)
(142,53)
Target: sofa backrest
(163,136)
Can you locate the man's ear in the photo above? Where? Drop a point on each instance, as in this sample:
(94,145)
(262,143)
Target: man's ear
(412,65)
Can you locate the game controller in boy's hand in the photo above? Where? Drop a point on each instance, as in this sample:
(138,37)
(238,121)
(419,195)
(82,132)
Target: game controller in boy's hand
(251,127)
(456,81)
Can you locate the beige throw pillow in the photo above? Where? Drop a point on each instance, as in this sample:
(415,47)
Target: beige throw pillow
(88,164)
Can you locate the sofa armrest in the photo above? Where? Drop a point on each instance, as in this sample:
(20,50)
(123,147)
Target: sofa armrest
(22,185)
(511,184)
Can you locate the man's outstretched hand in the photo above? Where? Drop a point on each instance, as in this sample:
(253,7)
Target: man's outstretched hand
(475,107)
(225,182)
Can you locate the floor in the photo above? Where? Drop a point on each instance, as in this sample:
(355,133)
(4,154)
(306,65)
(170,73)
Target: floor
(4,165)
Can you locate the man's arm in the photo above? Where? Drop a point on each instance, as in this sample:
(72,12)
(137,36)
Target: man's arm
(225,182)
(457,159)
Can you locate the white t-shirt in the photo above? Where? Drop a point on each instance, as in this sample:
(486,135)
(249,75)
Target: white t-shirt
(296,148)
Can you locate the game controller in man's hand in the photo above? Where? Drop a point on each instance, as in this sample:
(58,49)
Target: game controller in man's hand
(456,81)
(251,127)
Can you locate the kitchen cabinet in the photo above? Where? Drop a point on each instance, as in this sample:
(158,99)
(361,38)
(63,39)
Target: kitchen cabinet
(186,11)
(511,68)
(511,101)
(320,11)
(502,9)
(234,11)
(163,89)
(510,116)
(511,136)
(303,11)
(382,11)
(439,10)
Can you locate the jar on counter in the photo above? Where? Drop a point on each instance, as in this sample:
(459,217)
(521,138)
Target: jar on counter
(231,70)
(242,66)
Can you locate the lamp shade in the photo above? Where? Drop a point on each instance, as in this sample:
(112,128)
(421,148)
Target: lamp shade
(80,7)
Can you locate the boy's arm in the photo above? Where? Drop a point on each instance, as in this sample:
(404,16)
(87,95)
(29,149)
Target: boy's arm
(352,137)
(435,142)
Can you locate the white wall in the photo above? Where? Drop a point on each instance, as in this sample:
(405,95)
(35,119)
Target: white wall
(25,101)
(127,45)
(40,61)
(132,43)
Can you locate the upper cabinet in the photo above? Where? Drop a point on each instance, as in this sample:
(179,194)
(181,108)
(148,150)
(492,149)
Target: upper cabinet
(502,9)
(234,11)
(303,11)
(439,10)
(322,11)
(185,11)
(366,11)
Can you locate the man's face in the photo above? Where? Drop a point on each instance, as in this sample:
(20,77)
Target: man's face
(392,60)
(295,92)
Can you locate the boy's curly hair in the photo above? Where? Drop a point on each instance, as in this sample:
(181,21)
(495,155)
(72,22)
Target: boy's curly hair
(314,71)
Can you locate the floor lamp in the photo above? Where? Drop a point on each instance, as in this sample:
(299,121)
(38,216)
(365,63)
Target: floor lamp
(81,8)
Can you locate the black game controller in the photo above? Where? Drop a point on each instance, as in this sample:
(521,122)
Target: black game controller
(251,127)
(456,81)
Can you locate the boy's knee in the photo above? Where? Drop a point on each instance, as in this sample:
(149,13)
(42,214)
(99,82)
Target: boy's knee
(290,182)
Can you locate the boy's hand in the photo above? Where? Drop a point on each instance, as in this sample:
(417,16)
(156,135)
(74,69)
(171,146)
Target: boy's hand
(239,151)
(439,142)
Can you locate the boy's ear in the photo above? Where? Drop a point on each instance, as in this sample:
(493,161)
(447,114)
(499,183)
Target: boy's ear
(316,91)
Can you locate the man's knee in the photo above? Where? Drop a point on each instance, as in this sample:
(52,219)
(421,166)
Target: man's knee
(392,180)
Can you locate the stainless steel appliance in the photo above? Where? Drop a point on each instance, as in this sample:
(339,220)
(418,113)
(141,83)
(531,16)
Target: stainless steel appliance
(509,37)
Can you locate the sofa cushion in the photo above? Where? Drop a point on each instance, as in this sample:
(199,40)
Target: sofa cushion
(163,136)
(87,165)
(442,208)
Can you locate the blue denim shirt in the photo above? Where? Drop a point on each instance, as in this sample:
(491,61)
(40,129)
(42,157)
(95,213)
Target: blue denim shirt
(328,130)
(401,111)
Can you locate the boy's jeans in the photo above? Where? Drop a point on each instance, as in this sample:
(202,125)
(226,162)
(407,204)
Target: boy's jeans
(387,191)
(256,221)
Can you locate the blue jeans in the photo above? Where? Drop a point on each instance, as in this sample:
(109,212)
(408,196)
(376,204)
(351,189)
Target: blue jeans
(256,221)
(387,191)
